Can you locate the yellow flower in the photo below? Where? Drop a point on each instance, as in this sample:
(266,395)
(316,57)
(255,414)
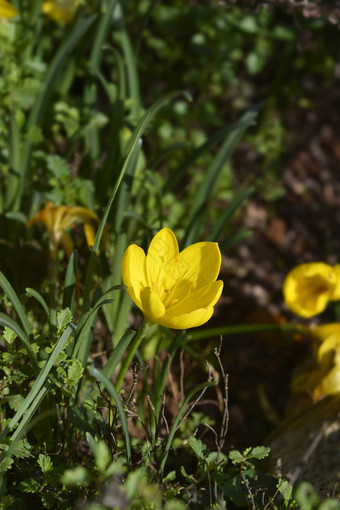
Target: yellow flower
(58,220)
(61,10)
(174,289)
(323,378)
(7,10)
(308,288)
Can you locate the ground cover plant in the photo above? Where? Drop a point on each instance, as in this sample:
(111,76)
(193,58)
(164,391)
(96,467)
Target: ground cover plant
(117,189)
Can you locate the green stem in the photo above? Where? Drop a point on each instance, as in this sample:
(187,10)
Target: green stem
(245,328)
(127,360)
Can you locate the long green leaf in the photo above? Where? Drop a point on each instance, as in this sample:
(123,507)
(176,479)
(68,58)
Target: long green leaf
(236,238)
(14,163)
(198,152)
(41,300)
(213,172)
(130,60)
(118,352)
(10,293)
(90,95)
(120,408)
(228,213)
(69,294)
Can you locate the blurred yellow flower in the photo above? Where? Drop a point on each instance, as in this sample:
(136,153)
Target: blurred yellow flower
(323,377)
(61,10)
(308,288)
(58,220)
(7,10)
(174,289)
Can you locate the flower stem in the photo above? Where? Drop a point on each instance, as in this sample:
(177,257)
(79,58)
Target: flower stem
(127,360)
(245,328)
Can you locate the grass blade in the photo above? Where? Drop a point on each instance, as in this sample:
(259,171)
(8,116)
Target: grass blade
(120,408)
(33,293)
(213,172)
(10,293)
(228,213)
(70,286)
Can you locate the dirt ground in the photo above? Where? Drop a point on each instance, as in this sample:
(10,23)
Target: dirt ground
(303,225)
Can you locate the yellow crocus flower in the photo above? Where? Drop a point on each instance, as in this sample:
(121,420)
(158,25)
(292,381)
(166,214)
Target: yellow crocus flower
(61,10)
(323,378)
(59,219)
(174,289)
(7,10)
(308,288)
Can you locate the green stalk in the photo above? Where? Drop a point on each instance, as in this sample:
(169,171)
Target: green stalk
(245,328)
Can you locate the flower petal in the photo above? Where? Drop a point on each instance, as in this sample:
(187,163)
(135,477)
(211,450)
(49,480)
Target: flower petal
(89,234)
(336,292)
(7,10)
(204,297)
(67,244)
(152,305)
(133,272)
(187,320)
(162,250)
(200,263)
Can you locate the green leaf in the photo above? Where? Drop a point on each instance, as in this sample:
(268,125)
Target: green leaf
(58,166)
(30,485)
(118,402)
(306,496)
(170,477)
(76,476)
(189,478)
(64,317)
(259,452)
(236,457)
(197,446)
(9,335)
(45,463)
(74,371)
(100,451)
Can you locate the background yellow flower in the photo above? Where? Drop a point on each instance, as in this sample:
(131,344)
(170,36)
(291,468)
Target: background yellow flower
(61,10)
(7,10)
(308,288)
(59,219)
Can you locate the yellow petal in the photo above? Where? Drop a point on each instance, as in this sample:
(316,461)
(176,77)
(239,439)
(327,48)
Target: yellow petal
(82,214)
(152,305)
(329,385)
(188,320)
(162,250)
(308,288)
(89,234)
(7,10)
(204,297)
(201,263)
(60,10)
(336,292)
(326,330)
(67,243)
(133,272)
